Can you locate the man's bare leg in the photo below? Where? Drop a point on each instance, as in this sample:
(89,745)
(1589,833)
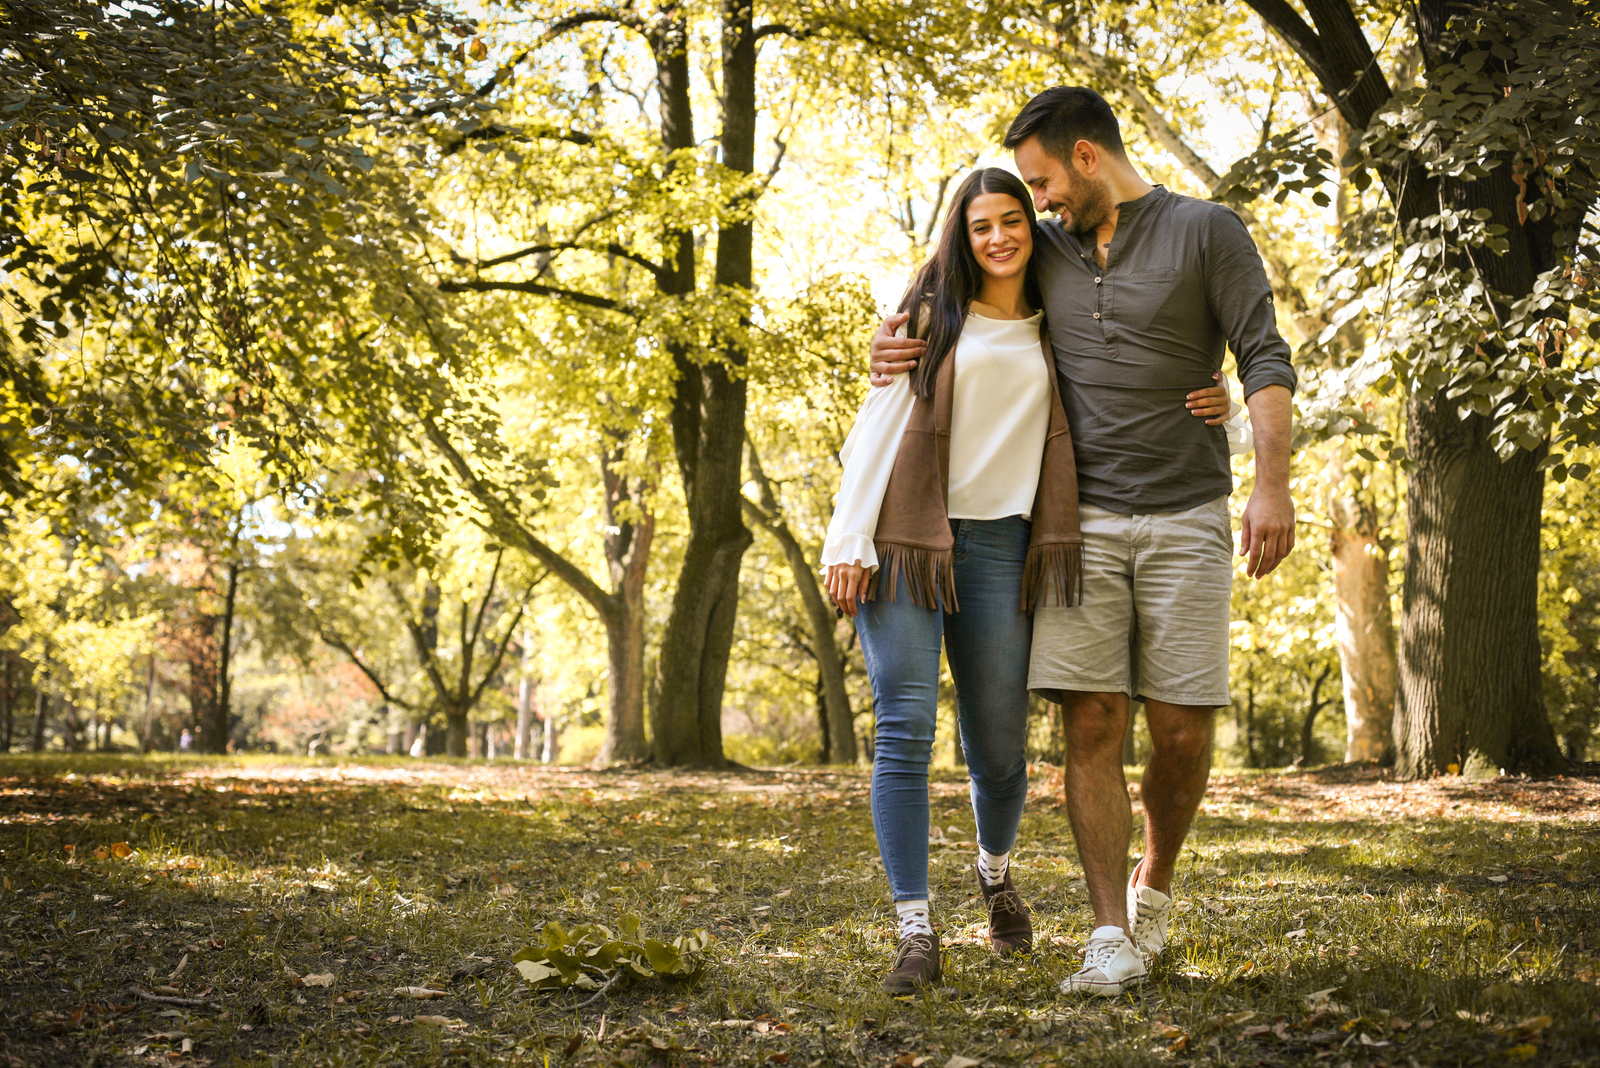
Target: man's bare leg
(1097,800)
(1174,784)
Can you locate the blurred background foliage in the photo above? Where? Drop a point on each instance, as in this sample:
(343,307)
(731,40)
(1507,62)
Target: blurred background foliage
(344,345)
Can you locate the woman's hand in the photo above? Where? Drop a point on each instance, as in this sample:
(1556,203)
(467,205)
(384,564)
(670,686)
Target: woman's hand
(1211,403)
(846,584)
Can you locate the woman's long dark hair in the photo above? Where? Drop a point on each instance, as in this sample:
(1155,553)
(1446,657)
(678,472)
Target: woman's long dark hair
(951,279)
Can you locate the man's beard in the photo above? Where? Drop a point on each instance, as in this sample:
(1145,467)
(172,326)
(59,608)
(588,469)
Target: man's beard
(1093,208)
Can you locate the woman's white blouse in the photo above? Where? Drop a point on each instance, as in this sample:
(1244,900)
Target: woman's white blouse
(999,417)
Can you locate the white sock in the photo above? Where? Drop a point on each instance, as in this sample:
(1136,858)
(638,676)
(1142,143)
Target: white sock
(914,918)
(992,867)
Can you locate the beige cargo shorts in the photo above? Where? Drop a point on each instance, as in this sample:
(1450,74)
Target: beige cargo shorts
(1154,619)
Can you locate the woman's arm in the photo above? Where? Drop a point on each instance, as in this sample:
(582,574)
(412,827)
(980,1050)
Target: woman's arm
(868,456)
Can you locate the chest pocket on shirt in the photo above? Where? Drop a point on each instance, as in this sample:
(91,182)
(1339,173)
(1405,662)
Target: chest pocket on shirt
(1138,297)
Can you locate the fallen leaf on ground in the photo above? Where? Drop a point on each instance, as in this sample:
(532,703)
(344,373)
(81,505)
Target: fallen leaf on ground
(421,993)
(436,1021)
(958,1061)
(325,979)
(1526,1028)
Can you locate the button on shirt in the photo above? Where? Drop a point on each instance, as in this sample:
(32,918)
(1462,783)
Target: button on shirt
(1182,282)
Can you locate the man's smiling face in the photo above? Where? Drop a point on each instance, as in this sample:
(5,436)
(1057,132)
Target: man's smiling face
(1082,201)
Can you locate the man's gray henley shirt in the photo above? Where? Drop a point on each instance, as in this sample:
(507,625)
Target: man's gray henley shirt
(1182,279)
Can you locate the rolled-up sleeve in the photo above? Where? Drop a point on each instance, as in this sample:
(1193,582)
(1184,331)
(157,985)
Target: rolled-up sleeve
(1241,299)
(868,458)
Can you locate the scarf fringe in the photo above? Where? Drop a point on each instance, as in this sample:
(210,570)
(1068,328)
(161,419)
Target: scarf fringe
(1053,576)
(929,573)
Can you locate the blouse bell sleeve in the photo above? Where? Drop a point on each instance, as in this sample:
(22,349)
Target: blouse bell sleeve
(868,457)
(1241,437)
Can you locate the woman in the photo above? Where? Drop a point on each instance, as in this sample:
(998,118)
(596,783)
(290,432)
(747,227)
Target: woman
(956,514)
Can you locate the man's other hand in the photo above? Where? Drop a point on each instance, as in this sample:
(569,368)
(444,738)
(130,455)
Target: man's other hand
(894,355)
(1266,533)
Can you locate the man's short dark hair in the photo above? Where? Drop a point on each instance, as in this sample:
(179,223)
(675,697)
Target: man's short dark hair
(1063,116)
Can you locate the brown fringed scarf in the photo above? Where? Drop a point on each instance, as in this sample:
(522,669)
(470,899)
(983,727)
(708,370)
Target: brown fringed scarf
(913,537)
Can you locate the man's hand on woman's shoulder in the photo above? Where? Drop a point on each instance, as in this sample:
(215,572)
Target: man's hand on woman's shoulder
(893,355)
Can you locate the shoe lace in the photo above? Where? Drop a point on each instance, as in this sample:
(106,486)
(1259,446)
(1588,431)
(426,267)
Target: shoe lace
(1005,902)
(1099,952)
(1146,918)
(919,946)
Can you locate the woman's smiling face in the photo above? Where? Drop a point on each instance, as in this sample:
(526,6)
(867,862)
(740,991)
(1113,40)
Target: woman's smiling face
(1001,234)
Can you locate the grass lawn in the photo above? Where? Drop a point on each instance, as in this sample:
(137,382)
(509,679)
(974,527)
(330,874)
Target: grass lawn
(278,906)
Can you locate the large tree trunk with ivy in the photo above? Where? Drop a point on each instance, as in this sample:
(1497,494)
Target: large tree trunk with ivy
(708,427)
(1469,687)
(1470,692)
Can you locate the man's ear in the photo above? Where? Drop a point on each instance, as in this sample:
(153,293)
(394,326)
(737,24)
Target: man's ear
(1086,157)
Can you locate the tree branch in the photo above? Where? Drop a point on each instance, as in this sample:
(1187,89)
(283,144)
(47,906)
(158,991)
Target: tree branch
(343,646)
(775,28)
(483,609)
(494,131)
(504,524)
(479,285)
(613,249)
(500,653)
(554,30)
(1159,127)
(585,18)
(430,662)
(1297,33)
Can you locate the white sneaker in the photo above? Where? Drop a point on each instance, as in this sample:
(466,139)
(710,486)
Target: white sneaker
(1149,912)
(1111,964)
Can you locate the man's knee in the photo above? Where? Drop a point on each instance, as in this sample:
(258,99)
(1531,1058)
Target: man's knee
(1096,720)
(1181,733)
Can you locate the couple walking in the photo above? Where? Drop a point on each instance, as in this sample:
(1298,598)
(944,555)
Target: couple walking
(1041,486)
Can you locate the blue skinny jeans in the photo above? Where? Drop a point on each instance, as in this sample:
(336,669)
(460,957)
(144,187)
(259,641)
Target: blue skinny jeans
(987,642)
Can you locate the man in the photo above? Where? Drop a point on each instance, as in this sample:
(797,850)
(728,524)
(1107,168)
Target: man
(1142,290)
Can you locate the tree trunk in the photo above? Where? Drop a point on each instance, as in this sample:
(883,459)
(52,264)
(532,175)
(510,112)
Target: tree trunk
(41,704)
(825,749)
(1250,724)
(219,727)
(1365,624)
(71,728)
(1470,687)
(1308,741)
(10,699)
(525,687)
(149,705)
(686,710)
(551,751)
(625,644)
(455,731)
(630,529)
(839,735)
